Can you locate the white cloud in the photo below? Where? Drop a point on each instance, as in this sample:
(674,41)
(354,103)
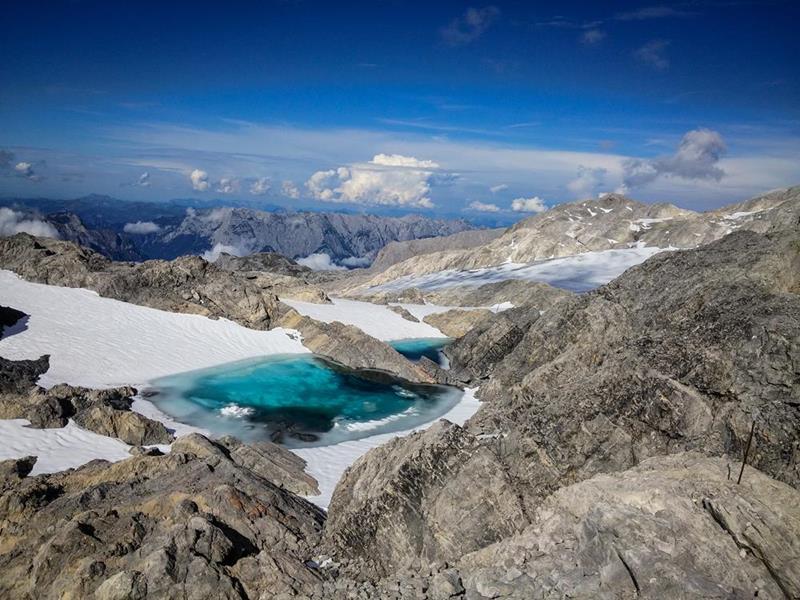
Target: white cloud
(483,207)
(496,189)
(12,222)
(25,169)
(652,54)
(696,158)
(228,185)
(469,26)
(534,205)
(144,180)
(214,253)
(260,186)
(141,227)
(356,261)
(199,180)
(290,190)
(593,37)
(587,181)
(320,262)
(388,179)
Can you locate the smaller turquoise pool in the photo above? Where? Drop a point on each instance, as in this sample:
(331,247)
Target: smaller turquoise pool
(297,400)
(414,349)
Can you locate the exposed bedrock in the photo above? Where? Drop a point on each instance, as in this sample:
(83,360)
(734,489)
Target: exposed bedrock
(107,411)
(458,321)
(350,347)
(672,527)
(683,352)
(200,522)
(188,284)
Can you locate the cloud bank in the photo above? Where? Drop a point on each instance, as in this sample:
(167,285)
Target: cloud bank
(534,205)
(696,158)
(12,222)
(199,180)
(141,227)
(483,207)
(320,262)
(387,180)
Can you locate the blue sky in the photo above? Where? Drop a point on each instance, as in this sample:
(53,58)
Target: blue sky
(442,108)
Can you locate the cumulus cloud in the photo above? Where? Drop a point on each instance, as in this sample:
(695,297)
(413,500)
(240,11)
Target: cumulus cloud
(652,54)
(534,205)
(289,189)
(469,26)
(141,227)
(388,179)
(200,180)
(228,185)
(144,180)
(12,222)
(587,181)
(25,169)
(214,253)
(496,189)
(697,157)
(483,207)
(260,186)
(319,261)
(592,37)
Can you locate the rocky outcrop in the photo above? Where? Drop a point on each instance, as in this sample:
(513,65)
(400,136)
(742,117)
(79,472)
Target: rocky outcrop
(514,291)
(405,313)
(431,496)
(395,252)
(279,275)
(456,322)
(350,347)
(106,411)
(270,461)
(19,376)
(129,426)
(189,284)
(609,222)
(183,525)
(673,527)
(683,352)
(8,317)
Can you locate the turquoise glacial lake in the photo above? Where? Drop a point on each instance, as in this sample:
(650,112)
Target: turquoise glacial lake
(301,400)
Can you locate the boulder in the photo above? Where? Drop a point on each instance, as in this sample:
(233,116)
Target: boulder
(127,425)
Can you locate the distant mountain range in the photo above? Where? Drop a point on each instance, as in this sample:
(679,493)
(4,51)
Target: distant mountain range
(125,230)
(610,222)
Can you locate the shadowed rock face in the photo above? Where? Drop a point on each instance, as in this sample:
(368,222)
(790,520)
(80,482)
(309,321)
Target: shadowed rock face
(680,353)
(201,522)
